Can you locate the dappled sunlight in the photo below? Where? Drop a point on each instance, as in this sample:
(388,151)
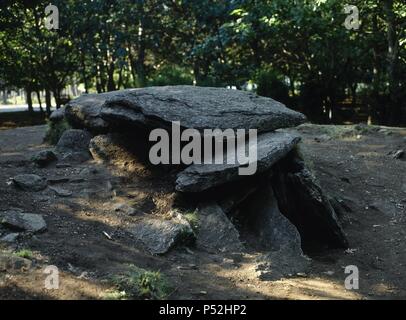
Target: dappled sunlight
(384,289)
(71,286)
(245,277)
(319,288)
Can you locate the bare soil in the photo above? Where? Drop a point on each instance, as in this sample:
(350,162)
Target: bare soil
(354,167)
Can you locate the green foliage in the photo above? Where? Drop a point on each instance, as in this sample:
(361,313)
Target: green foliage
(55,131)
(270,85)
(138,283)
(25,253)
(311,95)
(109,45)
(115,295)
(193,219)
(171,75)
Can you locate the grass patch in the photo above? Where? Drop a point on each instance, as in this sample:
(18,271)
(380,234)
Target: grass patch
(138,283)
(25,253)
(55,131)
(193,219)
(115,295)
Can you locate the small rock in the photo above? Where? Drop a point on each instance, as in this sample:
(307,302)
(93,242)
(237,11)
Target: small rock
(21,221)
(44,157)
(228,262)
(10,262)
(125,208)
(74,140)
(10,238)
(57,180)
(329,273)
(84,275)
(73,146)
(159,235)
(323,138)
(188,267)
(88,171)
(61,192)
(398,154)
(74,157)
(63,165)
(301,275)
(385,132)
(30,182)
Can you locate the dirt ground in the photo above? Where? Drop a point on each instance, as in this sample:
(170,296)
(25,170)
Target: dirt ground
(353,166)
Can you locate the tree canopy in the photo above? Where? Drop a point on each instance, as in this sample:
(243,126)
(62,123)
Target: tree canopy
(297,51)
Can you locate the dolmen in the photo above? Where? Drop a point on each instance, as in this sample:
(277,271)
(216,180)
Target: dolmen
(233,153)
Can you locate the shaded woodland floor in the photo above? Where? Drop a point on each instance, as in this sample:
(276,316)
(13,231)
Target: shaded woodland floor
(353,165)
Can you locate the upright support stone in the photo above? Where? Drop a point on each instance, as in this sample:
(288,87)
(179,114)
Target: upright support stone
(303,202)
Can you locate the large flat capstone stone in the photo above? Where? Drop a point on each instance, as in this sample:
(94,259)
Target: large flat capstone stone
(194,107)
(199,108)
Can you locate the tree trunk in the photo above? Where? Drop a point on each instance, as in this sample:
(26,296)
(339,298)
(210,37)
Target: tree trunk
(98,85)
(392,59)
(5,96)
(120,78)
(141,48)
(84,75)
(132,65)
(29,99)
(39,100)
(57,96)
(48,103)
(141,67)
(353,88)
(103,81)
(292,86)
(111,86)
(196,73)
